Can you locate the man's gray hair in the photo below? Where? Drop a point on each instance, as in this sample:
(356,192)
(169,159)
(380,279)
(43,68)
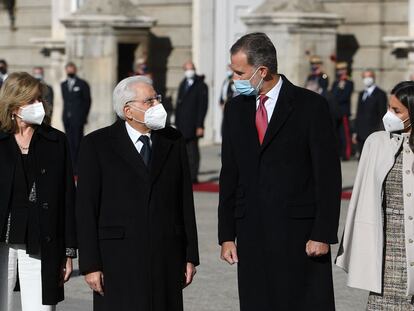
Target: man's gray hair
(124,93)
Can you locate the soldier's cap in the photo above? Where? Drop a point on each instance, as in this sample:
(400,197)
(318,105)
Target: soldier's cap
(315,60)
(341,65)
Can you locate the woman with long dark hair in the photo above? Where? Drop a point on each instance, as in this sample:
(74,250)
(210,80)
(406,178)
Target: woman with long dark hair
(377,248)
(37,229)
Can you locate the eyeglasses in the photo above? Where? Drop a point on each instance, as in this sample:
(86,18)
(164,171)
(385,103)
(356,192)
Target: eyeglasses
(149,101)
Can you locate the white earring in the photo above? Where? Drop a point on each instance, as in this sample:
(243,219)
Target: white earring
(13,117)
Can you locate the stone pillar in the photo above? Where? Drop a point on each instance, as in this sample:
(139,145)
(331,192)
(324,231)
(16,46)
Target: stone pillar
(203,57)
(295,27)
(92,37)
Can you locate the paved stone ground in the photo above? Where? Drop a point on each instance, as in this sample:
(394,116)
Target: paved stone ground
(215,286)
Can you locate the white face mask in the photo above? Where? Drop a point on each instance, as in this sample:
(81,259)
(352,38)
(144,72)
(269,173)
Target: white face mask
(189,74)
(32,114)
(392,123)
(368,81)
(155,117)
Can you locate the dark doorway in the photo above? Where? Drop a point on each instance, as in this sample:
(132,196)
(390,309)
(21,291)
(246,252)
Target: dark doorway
(126,59)
(161,48)
(346,47)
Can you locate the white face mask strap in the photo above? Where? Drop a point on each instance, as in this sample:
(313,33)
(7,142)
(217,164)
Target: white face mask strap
(135,108)
(254,73)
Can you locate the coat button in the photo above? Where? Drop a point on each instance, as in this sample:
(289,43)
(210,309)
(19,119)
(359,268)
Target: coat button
(409,194)
(410,217)
(410,240)
(407,151)
(45,205)
(48,239)
(408,172)
(43,171)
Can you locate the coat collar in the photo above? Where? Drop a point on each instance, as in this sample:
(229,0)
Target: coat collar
(123,145)
(44,130)
(283,109)
(47,132)
(126,149)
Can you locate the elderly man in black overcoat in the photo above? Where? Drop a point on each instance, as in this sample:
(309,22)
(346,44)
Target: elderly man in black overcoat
(135,214)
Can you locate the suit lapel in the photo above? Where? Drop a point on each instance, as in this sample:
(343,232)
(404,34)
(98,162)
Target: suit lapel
(281,113)
(160,149)
(123,145)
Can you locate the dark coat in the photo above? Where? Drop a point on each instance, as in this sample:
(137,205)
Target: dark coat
(76,103)
(370,113)
(136,225)
(277,196)
(55,201)
(342,90)
(49,96)
(191,107)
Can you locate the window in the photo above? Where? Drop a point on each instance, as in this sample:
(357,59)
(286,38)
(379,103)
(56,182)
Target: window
(76,4)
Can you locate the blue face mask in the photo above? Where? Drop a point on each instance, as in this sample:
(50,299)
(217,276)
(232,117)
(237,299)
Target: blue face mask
(244,87)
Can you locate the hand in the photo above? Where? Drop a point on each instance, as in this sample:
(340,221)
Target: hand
(229,252)
(190,271)
(67,269)
(95,281)
(354,139)
(316,249)
(200,132)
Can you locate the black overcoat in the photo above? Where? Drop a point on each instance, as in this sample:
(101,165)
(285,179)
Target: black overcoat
(135,224)
(192,105)
(370,113)
(76,103)
(277,196)
(55,201)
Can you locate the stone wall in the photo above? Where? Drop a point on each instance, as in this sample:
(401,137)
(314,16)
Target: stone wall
(171,42)
(33,19)
(370,21)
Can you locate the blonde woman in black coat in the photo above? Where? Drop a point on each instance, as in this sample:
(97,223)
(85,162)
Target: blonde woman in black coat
(37,235)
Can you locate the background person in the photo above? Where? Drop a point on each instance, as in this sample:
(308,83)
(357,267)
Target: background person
(76,105)
(191,110)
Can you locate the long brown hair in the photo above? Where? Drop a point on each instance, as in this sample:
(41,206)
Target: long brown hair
(404,91)
(19,89)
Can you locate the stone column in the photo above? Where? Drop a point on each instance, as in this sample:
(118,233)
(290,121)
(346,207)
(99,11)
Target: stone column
(92,37)
(203,57)
(297,26)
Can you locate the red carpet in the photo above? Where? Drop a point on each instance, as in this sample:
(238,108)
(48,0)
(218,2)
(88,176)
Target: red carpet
(213,187)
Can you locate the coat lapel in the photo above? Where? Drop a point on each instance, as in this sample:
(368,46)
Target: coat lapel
(123,145)
(281,113)
(10,153)
(160,149)
(249,122)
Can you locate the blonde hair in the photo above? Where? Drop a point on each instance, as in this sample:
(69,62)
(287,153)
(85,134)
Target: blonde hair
(19,89)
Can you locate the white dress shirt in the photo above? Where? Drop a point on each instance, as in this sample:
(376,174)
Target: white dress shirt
(368,92)
(273,95)
(135,135)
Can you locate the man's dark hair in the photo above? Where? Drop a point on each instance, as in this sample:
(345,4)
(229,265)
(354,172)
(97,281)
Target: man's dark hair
(259,50)
(70,64)
(3,62)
